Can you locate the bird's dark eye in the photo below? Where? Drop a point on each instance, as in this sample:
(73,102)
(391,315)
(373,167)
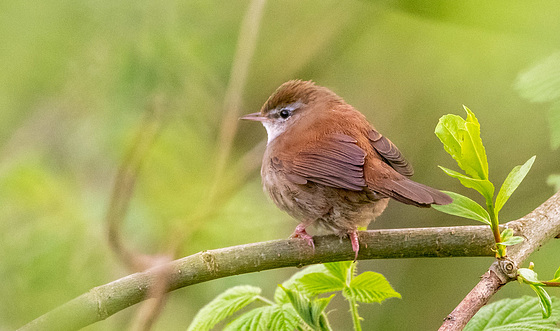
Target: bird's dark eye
(284,113)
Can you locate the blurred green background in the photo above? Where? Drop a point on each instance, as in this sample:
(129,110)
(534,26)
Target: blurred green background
(77,79)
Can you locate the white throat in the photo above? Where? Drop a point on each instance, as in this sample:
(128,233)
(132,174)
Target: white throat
(273,130)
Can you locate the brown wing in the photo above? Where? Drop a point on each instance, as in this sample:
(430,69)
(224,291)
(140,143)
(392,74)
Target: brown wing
(390,153)
(334,161)
(412,193)
(382,178)
(397,185)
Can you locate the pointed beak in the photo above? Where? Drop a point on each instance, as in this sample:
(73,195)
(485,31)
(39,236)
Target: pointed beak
(253,117)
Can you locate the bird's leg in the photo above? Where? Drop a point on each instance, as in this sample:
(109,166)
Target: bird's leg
(300,232)
(355,244)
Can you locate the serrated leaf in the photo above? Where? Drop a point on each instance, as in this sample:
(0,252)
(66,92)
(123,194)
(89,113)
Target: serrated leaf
(284,318)
(316,283)
(302,306)
(318,306)
(293,282)
(223,306)
(512,181)
(257,319)
(275,317)
(528,276)
(544,300)
(339,269)
(514,314)
(483,186)
(464,207)
(461,139)
(310,310)
(512,241)
(370,287)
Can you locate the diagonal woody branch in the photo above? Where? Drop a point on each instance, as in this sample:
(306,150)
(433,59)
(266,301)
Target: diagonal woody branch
(106,300)
(537,228)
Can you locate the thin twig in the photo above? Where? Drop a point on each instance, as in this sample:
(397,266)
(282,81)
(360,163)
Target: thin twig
(125,181)
(150,309)
(220,190)
(246,45)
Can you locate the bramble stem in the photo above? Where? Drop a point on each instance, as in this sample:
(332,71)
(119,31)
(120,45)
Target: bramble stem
(352,301)
(354,312)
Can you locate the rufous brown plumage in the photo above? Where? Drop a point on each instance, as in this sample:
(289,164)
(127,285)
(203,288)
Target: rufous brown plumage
(326,165)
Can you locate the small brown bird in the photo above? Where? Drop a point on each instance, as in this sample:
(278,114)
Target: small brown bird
(326,165)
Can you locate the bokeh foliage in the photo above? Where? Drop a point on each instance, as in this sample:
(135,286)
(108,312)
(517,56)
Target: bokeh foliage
(77,78)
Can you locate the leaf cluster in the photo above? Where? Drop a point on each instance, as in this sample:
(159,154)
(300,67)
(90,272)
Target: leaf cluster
(296,304)
(461,139)
(530,277)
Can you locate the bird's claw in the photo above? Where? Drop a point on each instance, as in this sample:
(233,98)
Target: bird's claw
(300,232)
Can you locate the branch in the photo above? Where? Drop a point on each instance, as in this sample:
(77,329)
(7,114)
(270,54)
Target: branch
(106,300)
(538,227)
(103,301)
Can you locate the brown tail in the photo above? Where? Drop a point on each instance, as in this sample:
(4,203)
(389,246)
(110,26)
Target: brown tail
(412,193)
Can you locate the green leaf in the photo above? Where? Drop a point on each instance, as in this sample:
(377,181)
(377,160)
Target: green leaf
(512,181)
(528,276)
(294,282)
(544,300)
(339,269)
(473,149)
(284,318)
(556,275)
(515,314)
(464,207)
(370,287)
(447,130)
(316,283)
(511,241)
(483,186)
(310,310)
(257,319)
(223,306)
(508,239)
(506,234)
(461,139)
(318,306)
(275,317)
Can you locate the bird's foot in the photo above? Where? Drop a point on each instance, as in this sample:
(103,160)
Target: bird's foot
(355,243)
(300,232)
